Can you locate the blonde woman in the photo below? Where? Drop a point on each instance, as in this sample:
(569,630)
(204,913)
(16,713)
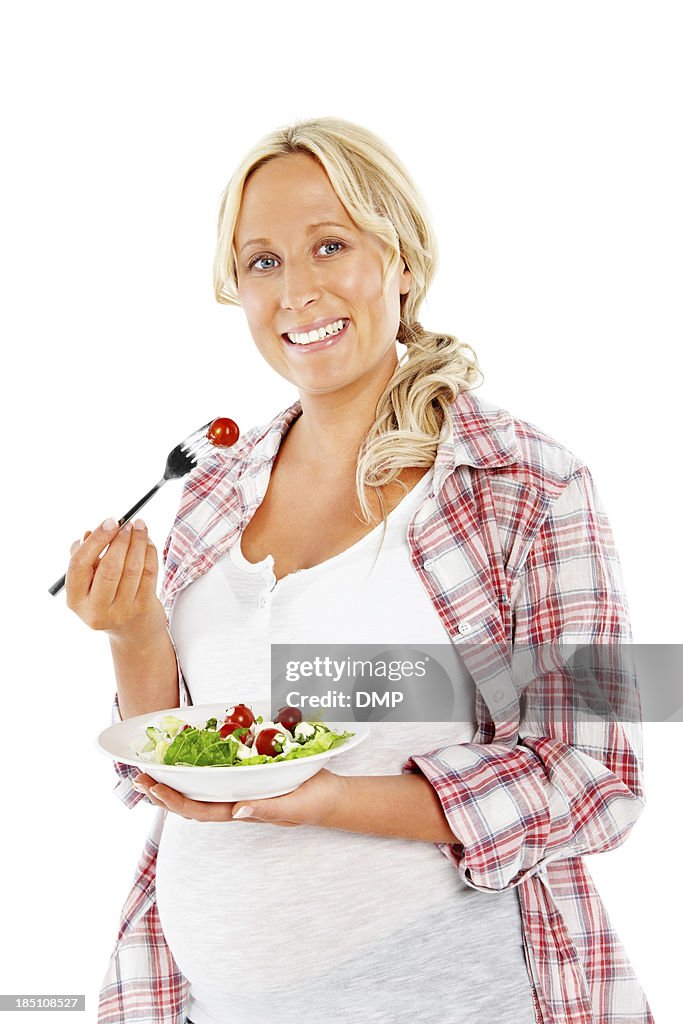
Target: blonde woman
(437,874)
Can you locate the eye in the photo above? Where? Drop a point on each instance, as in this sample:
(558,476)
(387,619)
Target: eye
(257,259)
(322,245)
(331,242)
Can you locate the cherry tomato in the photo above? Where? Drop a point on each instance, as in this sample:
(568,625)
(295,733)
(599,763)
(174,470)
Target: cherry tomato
(185,728)
(241,715)
(229,728)
(289,717)
(270,741)
(223,432)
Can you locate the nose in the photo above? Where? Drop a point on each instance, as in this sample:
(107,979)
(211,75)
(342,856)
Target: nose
(300,286)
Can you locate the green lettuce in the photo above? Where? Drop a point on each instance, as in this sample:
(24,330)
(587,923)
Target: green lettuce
(202,747)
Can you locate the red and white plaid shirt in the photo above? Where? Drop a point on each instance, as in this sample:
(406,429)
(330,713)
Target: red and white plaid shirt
(515,550)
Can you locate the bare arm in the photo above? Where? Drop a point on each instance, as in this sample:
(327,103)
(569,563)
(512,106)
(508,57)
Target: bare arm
(403,806)
(146,673)
(399,806)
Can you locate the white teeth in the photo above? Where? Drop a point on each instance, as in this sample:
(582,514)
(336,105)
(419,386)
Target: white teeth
(322,332)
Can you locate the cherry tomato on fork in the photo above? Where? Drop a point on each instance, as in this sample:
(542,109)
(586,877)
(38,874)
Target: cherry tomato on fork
(223,432)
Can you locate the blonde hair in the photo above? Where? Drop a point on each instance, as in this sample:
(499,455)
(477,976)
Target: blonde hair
(379,196)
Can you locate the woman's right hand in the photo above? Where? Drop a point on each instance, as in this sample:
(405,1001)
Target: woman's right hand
(116,591)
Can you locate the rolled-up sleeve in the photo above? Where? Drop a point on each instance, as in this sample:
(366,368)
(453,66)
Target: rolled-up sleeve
(572,782)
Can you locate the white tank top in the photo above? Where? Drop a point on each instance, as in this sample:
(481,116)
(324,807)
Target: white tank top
(290,924)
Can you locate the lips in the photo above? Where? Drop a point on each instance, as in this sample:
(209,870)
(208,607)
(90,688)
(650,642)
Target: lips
(315,346)
(316,325)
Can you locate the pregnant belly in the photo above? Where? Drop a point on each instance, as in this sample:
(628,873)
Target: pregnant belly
(256,908)
(256,900)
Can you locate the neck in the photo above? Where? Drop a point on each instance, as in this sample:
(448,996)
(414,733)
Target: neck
(327,437)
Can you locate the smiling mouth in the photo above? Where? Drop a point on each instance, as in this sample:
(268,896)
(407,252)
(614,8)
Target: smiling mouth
(317,338)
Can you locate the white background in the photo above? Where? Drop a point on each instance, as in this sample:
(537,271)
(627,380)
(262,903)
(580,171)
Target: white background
(545,139)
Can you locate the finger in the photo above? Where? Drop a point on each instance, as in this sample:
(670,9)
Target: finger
(281,823)
(196,809)
(84,561)
(160,803)
(148,581)
(272,810)
(77,543)
(143,780)
(109,569)
(144,784)
(133,565)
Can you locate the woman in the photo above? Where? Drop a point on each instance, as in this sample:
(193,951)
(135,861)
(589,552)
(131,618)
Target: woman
(389,505)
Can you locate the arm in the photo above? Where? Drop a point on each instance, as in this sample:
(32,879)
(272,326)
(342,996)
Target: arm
(146,673)
(572,783)
(111,586)
(398,806)
(402,806)
(159,663)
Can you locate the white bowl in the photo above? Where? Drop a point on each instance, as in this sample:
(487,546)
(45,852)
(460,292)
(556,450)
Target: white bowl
(221,783)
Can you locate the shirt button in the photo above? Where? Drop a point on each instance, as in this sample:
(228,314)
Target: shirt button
(428,563)
(465,627)
(262,602)
(498,696)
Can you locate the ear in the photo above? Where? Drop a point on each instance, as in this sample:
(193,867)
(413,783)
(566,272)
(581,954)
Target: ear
(406,279)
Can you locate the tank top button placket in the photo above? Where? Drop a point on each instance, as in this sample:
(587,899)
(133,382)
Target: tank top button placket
(268,577)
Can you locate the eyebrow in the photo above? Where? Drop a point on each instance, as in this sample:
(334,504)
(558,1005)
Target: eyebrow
(309,229)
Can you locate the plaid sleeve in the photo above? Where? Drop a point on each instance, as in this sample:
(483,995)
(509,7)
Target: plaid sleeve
(571,785)
(127,772)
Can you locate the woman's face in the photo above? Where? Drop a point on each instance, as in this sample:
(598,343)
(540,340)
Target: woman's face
(295,273)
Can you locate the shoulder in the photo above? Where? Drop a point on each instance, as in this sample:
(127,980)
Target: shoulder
(515,452)
(527,479)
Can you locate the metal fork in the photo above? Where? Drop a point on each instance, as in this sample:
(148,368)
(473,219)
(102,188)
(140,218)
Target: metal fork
(184,457)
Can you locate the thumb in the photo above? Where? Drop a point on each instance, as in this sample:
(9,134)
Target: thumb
(262,810)
(245,810)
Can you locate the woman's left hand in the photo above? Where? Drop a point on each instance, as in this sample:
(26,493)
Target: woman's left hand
(316,802)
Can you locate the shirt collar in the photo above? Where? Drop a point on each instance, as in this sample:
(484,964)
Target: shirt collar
(476,434)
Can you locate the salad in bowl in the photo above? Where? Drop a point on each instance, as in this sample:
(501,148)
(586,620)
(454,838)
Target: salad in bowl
(228,752)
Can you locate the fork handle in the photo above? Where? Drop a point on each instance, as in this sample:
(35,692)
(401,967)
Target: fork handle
(143,501)
(58,585)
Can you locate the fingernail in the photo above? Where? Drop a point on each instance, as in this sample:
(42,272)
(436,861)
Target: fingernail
(138,787)
(139,524)
(109,524)
(153,791)
(244,812)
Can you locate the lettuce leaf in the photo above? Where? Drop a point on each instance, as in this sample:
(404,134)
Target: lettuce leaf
(201,747)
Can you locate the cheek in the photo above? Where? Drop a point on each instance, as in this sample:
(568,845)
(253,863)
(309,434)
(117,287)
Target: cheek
(253,308)
(363,290)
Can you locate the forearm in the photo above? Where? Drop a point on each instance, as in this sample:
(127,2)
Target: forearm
(403,806)
(146,673)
